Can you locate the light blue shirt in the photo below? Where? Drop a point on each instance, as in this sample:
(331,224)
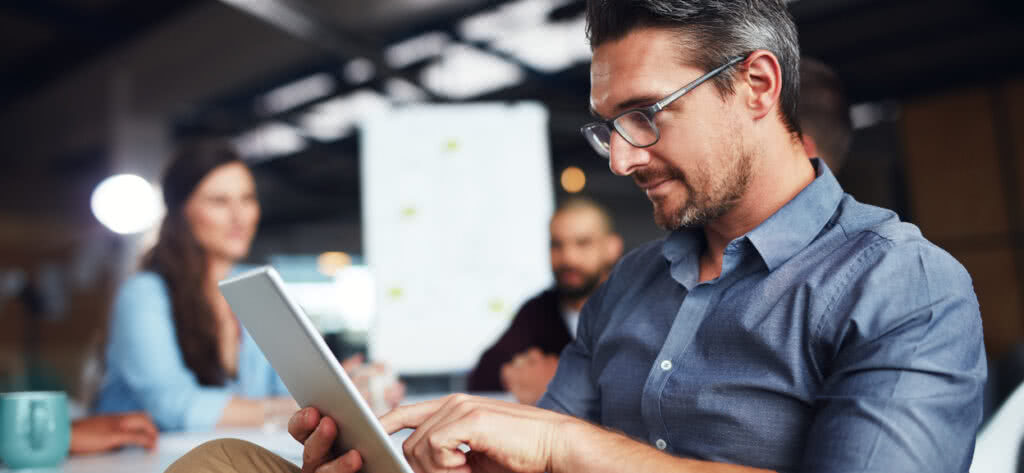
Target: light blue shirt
(837,339)
(145,369)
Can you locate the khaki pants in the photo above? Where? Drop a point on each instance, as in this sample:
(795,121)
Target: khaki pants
(231,456)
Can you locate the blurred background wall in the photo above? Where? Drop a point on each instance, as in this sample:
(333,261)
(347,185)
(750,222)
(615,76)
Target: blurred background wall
(92,88)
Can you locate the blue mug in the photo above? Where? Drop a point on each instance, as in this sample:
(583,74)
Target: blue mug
(35,430)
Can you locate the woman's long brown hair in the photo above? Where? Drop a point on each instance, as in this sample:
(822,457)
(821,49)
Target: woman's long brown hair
(183,264)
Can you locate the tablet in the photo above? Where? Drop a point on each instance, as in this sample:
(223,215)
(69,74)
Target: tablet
(313,375)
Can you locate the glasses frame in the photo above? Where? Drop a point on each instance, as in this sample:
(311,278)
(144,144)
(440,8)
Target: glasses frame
(649,111)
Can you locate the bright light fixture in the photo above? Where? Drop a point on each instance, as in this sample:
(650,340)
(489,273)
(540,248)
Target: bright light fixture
(269,140)
(573,179)
(464,71)
(126,204)
(336,118)
(402,91)
(359,70)
(296,93)
(330,262)
(510,17)
(548,47)
(415,49)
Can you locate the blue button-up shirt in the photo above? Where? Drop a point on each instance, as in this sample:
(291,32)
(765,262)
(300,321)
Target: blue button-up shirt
(836,339)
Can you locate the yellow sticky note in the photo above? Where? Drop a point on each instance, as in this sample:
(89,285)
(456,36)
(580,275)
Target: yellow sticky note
(451,146)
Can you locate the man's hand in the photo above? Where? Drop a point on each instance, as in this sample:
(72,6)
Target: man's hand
(317,434)
(503,437)
(528,374)
(102,433)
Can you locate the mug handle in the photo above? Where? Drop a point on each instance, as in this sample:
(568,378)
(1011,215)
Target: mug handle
(39,420)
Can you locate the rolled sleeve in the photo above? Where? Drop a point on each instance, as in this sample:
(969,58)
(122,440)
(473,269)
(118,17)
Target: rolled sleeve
(904,390)
(572,391)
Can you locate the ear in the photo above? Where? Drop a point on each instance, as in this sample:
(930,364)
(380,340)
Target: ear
(810,146)
(762,79)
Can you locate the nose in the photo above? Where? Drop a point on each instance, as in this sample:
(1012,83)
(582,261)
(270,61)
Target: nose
(624,158)
(237,211)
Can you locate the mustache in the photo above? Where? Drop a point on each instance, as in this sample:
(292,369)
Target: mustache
(568,269)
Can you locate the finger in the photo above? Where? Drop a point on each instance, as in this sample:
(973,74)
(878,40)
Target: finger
(302,423)
(350,462)
(443,452)
(317,447)
(137,423)
(124,439)
(411,416)
(423,445)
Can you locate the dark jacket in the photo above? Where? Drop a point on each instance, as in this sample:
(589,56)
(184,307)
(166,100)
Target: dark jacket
(538,324)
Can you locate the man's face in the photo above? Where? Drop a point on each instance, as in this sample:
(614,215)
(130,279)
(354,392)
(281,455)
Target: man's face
(579,251)
(699,168)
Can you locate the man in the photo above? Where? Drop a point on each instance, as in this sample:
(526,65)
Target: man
(584,246)
(780,326)
(824,114)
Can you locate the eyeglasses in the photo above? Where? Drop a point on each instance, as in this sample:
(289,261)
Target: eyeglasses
(637,125)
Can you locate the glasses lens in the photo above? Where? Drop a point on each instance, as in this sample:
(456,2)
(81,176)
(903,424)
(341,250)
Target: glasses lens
(637,129)
(598,135)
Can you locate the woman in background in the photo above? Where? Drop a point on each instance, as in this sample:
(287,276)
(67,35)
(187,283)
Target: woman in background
(175,349)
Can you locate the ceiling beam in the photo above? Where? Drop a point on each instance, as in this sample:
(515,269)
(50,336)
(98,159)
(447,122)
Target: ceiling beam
(300,20)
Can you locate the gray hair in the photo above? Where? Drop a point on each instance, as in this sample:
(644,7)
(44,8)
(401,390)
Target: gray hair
(712,32)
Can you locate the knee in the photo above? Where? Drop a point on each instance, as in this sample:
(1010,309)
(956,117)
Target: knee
(215,456)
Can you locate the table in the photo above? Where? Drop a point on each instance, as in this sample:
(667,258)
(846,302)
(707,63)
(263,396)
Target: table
(999,442)
(172,446)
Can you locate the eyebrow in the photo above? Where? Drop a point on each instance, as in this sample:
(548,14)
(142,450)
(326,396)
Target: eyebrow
(635,102)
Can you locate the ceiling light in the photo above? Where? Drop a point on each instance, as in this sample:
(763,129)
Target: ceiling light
(296,93)
(359,70)
(464,71)
(510,17)
(402,91)
(548,47)
(336,118)
(269,140)
(416,49)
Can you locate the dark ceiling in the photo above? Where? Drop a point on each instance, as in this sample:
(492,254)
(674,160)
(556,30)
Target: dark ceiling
(883,50)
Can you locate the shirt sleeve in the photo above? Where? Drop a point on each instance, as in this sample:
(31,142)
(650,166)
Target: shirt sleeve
(143,351)
(903,389)
(573,390)
(486,376)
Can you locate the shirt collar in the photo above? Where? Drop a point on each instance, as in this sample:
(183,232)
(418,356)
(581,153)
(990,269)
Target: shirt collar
(792,227)
(777,239)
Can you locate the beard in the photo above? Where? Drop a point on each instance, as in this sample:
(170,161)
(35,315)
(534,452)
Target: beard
(706,198)
(577,291)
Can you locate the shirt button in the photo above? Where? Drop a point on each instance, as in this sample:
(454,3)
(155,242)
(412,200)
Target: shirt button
(661,444)
(666,365)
